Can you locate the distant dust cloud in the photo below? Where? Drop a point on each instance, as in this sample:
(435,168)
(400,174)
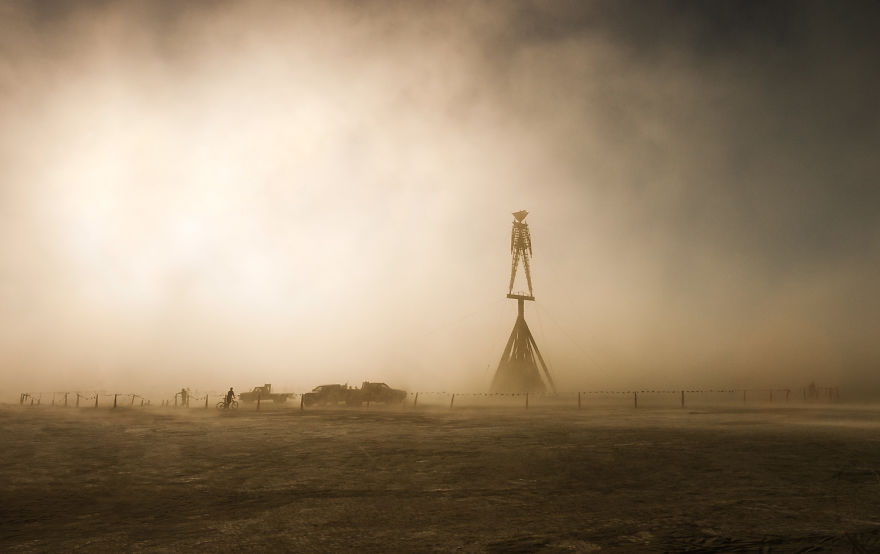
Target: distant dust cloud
(217,194)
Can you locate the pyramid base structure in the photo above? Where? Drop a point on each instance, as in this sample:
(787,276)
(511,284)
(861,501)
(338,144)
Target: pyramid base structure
(518,369)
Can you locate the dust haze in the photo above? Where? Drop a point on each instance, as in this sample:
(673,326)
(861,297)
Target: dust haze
(215,194)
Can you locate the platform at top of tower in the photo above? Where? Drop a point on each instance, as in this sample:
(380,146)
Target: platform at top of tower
(520,215)
(521,296)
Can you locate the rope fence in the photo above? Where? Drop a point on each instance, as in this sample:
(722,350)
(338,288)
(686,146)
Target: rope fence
(81,400)
(581,399)
(635,396)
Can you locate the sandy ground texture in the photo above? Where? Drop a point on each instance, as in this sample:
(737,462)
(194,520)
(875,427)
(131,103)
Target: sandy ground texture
(430,479)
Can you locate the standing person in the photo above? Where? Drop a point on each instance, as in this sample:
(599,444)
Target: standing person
(184,398)
(230,396)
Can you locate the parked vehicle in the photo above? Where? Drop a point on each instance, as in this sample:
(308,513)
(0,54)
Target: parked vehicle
(333,395)
(375,392)
(265,393)
(326,395)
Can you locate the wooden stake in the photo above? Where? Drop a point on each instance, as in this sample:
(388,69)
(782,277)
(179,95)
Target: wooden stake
(416,400)
(114,401)
(452,401)
(258,402)
(527,401)
(635,399)
(682,399)
(579,400)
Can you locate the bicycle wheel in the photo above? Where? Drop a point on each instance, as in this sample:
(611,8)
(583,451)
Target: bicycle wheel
(234,405)
(221,405)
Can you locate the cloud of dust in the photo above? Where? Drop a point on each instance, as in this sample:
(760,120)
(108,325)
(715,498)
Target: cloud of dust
(303,193)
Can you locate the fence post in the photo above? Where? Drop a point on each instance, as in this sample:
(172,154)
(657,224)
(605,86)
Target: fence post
(65,399)
(416,400)
(77,400)
(131,404)
(452,401)
(114,401)
(527,401)
(682,399)
(258,402)
(53,399)
(302,399)
(579,400)
(787,393)
(635,399)
(96,400)
(206,401)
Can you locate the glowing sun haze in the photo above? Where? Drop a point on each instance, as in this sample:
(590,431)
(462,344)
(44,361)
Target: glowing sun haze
(215,194)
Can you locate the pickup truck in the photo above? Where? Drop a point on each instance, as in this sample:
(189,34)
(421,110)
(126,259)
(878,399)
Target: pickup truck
(333,395)
(265,393)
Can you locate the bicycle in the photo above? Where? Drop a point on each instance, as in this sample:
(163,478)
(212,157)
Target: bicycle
(222,405)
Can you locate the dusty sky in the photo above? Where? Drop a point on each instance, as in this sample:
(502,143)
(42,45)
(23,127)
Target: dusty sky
(214,194)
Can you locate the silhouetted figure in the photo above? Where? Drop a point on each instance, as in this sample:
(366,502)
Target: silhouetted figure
(184,398)
(521,248)
(230,396)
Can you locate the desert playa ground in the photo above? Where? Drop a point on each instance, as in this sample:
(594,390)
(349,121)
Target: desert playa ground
(548,479)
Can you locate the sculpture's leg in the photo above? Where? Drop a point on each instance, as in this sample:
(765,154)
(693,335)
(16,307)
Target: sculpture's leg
(528,272)
(513,269)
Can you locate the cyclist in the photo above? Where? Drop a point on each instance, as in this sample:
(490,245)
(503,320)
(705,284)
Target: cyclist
(230,396)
